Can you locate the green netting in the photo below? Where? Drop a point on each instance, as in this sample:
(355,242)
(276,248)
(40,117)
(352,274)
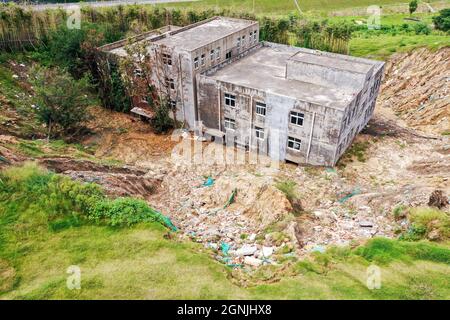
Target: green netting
(231,199)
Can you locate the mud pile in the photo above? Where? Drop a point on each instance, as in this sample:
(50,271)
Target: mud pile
(117,181)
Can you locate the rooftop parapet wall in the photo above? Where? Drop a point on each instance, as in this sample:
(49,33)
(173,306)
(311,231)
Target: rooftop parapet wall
(144,36)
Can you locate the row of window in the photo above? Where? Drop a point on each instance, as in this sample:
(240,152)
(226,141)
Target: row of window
(293,143)
(296,118)
(251,39)
(214,54)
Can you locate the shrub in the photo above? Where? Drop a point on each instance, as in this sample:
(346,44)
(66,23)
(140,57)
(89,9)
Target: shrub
(422,28)
(413,6)
(55,200)
(61,101)
(162,121)
(442,21)
(288,188)
(123,211)
(432,223)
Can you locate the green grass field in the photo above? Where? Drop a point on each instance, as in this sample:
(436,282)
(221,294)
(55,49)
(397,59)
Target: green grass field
(277,7)
(381,47)
(138,262)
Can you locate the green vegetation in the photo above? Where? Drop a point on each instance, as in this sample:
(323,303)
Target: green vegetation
(288,187)
(413,6)
(428,223)
(442,21)
(279,7)
(162,121)
(63,200)
(45,228)
(384,251)
(61,102)
(357,150)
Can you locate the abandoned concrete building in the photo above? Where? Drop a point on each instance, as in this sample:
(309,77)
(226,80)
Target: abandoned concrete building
(294,104)
(179,54)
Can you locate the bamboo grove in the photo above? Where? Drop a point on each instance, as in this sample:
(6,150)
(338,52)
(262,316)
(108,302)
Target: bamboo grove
(22,29)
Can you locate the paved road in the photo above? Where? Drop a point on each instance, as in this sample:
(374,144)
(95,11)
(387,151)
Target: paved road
(45,6)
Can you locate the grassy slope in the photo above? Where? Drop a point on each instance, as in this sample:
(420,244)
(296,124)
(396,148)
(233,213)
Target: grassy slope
(372,46)
(271,7)
(381,46)
(138,262)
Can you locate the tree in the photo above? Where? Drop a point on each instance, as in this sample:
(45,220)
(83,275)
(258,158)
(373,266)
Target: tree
(146,76)
(162,121)
(413,6)
(442,21)
(61,101)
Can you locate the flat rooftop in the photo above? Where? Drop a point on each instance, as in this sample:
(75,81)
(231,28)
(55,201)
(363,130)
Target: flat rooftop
(203,33)
(265,68)
(333,61)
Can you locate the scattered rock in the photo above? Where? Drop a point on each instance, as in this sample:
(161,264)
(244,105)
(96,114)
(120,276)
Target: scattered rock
(246,250)
(434,235)
(267,251)
(365,224)
(255,262)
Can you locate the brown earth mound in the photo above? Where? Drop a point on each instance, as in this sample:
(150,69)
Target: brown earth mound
(416,88)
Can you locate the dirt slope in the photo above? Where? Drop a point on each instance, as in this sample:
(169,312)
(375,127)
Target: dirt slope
(417,89)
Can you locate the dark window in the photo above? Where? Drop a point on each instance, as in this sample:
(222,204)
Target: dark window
(230,123)
(261,108)
(228,55)
(230,100)
(294,143)
(170,83)
(297,118)
(196,62)
(259,132)
(203,58)
(167,59)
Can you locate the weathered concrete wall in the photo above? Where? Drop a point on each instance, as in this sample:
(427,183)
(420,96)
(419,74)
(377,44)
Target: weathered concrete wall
(323,75)
(359,112)
(322,122)
(225,44)
(208,106)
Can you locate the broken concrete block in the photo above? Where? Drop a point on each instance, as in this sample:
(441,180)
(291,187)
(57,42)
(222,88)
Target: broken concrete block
(253,261)
(246,250)
(366,224)
(267,251)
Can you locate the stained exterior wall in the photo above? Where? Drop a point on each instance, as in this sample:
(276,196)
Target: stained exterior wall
(326,132)
(335,93)
(184,51)
(322,122)
(359,112)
